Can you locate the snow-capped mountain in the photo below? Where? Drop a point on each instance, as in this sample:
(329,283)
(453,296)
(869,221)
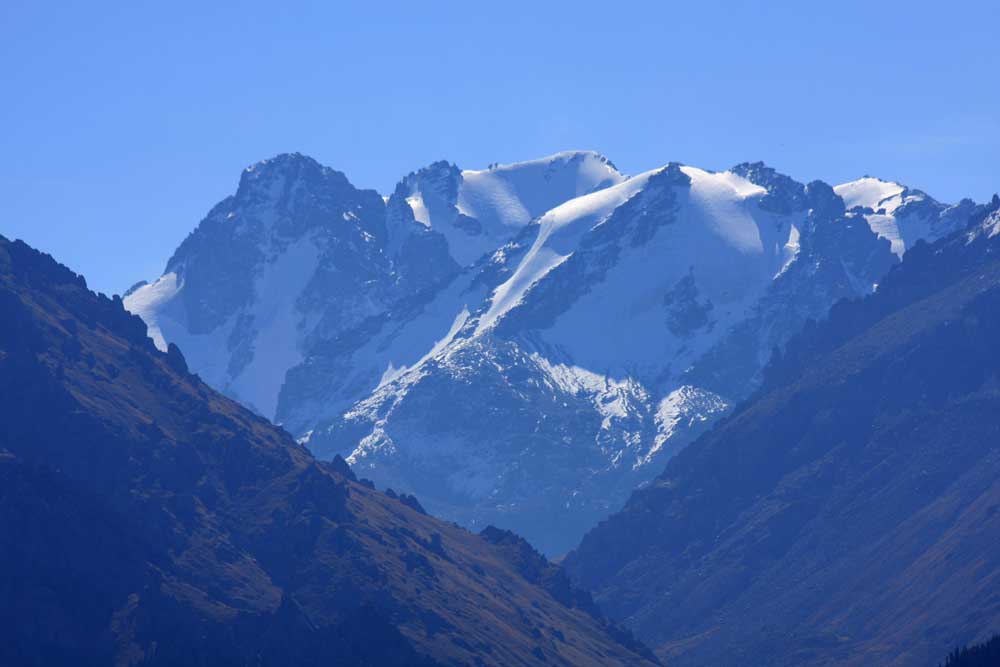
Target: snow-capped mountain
(900,214)
(521,345)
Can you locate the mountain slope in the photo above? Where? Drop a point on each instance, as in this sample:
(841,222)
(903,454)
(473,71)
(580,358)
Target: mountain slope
(147,520)
(847,514)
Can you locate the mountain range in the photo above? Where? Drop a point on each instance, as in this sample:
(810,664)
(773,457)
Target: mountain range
(146,519)
(817,483)
(522,345)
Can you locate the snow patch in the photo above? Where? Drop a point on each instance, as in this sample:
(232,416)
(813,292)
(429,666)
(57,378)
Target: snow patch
(789,251)
(686,406)
(147,301)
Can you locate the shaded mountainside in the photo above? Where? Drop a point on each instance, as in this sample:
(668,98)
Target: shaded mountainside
(147,520)
(849,512)
(986,654)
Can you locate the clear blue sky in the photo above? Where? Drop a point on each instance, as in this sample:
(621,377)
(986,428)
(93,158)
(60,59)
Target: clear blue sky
(122,124)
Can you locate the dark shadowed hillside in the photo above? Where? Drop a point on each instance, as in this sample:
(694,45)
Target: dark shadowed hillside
(849,514)
(147,520)
(986,654)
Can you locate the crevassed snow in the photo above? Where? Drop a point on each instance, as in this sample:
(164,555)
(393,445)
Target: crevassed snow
(491,199)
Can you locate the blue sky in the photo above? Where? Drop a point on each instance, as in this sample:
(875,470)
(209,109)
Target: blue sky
(124,123)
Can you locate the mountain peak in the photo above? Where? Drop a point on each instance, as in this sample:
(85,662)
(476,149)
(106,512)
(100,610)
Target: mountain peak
(271,176)
(823,198)
(899,213)
(282,158)
(562,158)
(282,163)
(758,166)
(784,194)
(870,192)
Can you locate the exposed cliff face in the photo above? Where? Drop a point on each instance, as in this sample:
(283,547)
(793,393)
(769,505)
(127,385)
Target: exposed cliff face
(846,513)
(147,520)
